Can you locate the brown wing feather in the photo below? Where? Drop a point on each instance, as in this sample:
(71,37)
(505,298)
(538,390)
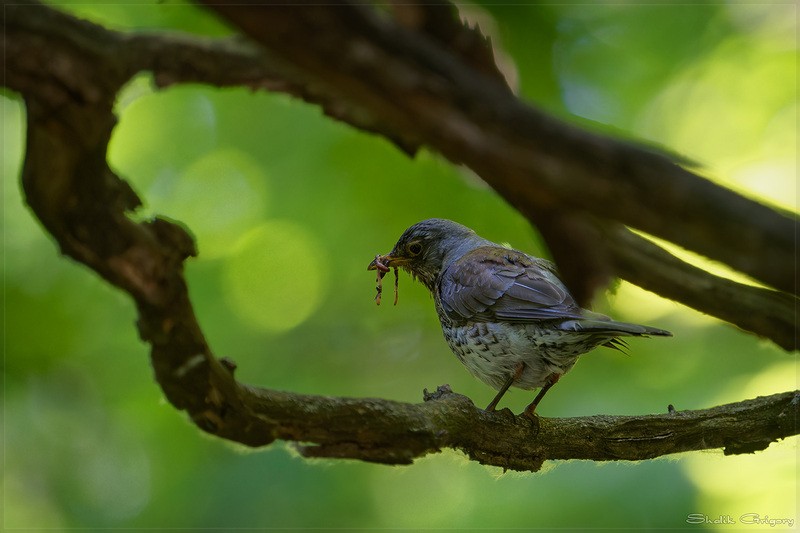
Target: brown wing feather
(492,283)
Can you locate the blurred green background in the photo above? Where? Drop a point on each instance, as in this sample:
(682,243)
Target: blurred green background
(288,207)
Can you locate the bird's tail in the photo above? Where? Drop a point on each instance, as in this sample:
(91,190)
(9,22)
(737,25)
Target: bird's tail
(612,328)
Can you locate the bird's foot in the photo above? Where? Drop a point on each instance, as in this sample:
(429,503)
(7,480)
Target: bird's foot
(529,411)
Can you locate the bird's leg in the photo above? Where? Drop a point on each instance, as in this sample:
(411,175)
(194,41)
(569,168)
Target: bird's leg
(510,381)
(550,380)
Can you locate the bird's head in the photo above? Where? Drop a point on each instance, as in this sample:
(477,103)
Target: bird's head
(427,247)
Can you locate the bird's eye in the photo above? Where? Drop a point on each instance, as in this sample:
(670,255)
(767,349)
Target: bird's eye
(414,248)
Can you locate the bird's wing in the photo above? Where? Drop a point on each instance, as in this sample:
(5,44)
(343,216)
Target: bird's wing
(492,283)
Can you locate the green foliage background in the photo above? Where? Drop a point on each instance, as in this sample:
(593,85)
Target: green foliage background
(288,207)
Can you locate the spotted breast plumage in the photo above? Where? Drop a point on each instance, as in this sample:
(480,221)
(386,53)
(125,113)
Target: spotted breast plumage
(506,315)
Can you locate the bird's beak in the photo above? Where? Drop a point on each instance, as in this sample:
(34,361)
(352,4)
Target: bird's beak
(384,262)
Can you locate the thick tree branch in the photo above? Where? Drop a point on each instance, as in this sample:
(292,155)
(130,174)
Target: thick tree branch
(69,73)
(396,432)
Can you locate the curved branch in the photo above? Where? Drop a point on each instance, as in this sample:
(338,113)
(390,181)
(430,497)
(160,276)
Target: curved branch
(83,204)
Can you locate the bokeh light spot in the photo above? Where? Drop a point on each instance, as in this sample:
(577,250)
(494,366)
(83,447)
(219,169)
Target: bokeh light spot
(219,196)
(160,133)
(275,278)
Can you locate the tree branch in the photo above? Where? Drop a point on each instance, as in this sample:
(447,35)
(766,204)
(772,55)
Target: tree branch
(69,72)
(392,432)
(646,264)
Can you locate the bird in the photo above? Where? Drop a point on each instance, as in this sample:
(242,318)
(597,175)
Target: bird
(505,314)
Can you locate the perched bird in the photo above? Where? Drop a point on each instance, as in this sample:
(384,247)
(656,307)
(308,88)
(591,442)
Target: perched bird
(506,315)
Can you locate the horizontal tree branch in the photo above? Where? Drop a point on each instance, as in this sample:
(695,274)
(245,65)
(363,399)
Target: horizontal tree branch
(69,73)
(393,432)
(646,264)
